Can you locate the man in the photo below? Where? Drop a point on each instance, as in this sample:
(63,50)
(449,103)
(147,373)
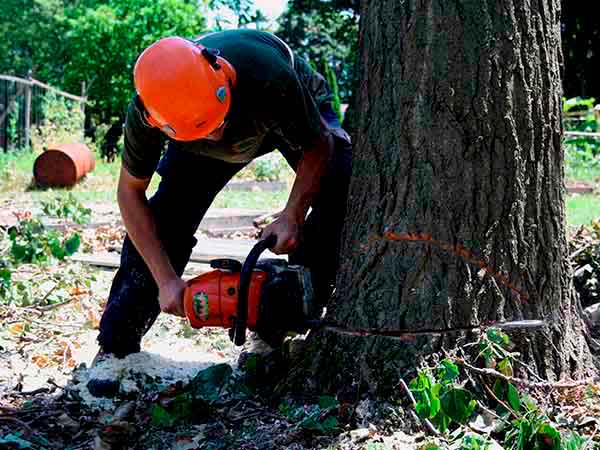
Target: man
(219,102)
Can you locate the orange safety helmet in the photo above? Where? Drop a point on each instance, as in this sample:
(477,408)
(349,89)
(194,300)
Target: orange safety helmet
(185,87)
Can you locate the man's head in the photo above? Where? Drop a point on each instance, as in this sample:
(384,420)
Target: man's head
(185,88)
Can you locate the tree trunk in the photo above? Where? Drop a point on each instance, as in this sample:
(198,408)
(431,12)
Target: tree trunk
(458,143)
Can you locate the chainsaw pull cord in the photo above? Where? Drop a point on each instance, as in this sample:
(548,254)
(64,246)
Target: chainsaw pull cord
(239,328)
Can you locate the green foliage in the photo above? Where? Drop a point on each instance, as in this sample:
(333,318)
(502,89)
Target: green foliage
(209,383)
(15,170)
(32,38)
(316,417)
(105,38)
(440,399)
(67,207)
(582,153)
(176,410)
(532,430)
(446,403)
(32,243)
(329,74)
(493,347)
(317,30)
(244,13)
(183,404)
(580,45)
(270,167)
(46,287)
(63,122)
(17,441)
(574,441)
(473,442)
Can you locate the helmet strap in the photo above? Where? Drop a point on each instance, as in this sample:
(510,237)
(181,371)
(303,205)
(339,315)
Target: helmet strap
(211,56)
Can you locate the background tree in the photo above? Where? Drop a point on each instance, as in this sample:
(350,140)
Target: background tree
(581,45)
(324,31)
(105,38)
(459,144)
(32,38)
(234,13)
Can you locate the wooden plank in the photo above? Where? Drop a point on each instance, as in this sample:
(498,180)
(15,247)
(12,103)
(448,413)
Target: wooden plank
(204,252)
(207,249)
(113,261)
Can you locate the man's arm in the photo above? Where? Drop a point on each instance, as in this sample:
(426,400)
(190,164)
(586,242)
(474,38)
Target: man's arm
(141,228)
(311,168)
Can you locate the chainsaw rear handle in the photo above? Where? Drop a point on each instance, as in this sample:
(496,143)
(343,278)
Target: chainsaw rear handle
(239,328)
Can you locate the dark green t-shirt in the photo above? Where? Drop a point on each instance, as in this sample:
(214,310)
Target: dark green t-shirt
(276,92)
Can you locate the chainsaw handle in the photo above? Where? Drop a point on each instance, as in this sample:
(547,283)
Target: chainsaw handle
(239,326)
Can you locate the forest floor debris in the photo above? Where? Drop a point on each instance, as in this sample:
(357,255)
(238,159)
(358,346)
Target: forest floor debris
(186,391)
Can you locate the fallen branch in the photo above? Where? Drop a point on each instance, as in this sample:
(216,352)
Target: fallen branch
(526,383)
(504,404)
(579,251)
(427,423)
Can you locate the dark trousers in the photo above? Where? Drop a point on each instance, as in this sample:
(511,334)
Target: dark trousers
(188,186)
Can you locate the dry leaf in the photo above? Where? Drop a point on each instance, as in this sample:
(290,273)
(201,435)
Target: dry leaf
(17,328)
(40,360)
(77,290)
(94,319)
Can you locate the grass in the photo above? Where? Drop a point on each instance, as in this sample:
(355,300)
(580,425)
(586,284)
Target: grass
(16,171)
(101,184)
(582,209)
(583,173)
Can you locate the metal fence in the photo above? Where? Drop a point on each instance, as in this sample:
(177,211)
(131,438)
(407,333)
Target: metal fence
(21,109)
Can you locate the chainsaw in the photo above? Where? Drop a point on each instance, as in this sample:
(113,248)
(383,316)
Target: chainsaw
(273,298)
(269,297)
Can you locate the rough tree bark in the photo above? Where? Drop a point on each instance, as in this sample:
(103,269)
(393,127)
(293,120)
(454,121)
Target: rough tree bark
(458,140)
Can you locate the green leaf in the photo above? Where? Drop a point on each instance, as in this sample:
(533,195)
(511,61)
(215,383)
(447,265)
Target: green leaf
(422,381)
(15,441)
(456,404)
(5,275)
(12,233)
(448,371)
(56,248)
(505,367)
(329,425)
(435,406)
(513,397)
(574,441)
(423,406)
(442,421)
(208,383)
(499,389)
(498,337)
(161,417)
(327,402)
(72,244)
(548,437)
(19,252)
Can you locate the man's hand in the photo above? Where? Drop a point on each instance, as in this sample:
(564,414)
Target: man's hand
(287,230)
(170,296)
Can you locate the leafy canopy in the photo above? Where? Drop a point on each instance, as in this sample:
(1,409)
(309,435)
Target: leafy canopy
(104,41)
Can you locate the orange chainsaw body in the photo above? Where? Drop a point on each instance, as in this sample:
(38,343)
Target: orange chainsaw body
(211,299)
